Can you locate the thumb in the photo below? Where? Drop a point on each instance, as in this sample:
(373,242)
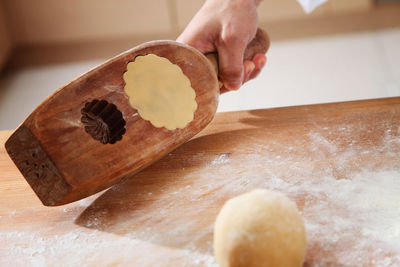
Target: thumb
(231,64)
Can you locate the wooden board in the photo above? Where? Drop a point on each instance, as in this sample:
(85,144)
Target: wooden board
(64,162)
(340,162)
(87,136)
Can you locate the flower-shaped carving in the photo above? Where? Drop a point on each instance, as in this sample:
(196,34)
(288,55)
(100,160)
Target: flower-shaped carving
(103,121)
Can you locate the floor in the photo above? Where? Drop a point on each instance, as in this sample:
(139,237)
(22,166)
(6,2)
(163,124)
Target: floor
(303,71)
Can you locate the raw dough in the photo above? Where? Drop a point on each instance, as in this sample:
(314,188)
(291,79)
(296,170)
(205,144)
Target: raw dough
(160,91)
(259,228)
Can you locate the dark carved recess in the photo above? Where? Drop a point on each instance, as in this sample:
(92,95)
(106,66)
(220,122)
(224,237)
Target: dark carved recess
(103,121)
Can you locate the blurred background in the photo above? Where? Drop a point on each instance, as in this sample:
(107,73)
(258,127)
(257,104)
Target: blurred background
(344,50)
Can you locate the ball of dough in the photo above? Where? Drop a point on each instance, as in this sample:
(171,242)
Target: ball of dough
(259,228)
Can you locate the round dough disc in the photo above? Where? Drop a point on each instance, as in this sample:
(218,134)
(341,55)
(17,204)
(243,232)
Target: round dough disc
(160,91)
(259,228)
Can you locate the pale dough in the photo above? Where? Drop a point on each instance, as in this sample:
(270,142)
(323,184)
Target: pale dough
(160,91)
(259,228)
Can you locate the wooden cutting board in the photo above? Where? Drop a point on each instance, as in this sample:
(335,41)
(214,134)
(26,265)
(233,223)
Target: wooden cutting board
(340,162)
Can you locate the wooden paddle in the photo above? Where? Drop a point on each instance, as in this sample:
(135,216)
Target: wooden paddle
(86,136)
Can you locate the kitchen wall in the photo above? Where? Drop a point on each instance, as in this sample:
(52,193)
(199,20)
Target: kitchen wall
(279,10)
(49,21)
(5,41)
(345,50)
(43,21)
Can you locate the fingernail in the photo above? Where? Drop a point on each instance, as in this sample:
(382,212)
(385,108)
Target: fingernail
(262,62)
(232,86)
(250,68)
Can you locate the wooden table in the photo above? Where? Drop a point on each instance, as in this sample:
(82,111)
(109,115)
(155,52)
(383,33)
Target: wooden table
(340,162)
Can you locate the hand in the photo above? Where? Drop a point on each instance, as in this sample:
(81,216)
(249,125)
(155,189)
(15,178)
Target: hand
(227,26)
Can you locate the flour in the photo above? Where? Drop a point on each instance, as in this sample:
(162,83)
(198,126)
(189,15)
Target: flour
(85,247)
(345,180)
(200,259)
(351,203)
(368,204)
(220,159)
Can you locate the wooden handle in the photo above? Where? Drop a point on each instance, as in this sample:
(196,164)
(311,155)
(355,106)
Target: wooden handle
(259,45)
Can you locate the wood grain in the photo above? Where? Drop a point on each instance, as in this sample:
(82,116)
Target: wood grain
(164,215)
(85,166)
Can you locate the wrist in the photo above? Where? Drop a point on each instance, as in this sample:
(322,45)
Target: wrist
(233,2)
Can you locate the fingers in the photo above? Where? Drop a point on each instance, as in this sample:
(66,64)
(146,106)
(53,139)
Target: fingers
(197,41)
(259,61)
(251,69)
(231,69)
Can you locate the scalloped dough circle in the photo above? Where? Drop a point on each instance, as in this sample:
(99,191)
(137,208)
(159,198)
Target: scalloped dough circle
(160,91)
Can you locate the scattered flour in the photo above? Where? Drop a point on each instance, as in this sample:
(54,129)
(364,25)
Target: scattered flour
(354,217)
(347,187)
(348,190)
(85,247)
(220,159)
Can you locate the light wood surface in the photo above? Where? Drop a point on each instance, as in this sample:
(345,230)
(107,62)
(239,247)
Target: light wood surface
(339,162)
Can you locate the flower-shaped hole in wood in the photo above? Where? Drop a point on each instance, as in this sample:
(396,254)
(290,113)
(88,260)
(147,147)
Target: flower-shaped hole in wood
(103,121)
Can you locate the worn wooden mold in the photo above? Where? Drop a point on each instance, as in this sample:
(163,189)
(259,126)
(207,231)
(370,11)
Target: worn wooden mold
(86,136)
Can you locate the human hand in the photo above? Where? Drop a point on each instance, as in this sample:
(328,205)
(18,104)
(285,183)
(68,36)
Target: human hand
(227,26)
